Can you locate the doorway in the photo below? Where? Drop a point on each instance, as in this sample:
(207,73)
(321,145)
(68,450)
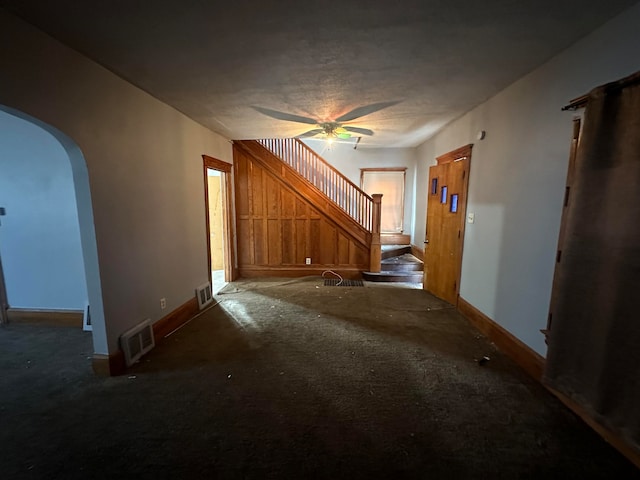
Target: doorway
(446,219)
(217,201)
(48,236)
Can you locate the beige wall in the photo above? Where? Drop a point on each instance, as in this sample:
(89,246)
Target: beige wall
(143,224)
(518,173)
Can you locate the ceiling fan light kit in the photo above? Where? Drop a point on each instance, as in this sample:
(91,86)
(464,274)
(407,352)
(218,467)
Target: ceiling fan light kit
(331,130)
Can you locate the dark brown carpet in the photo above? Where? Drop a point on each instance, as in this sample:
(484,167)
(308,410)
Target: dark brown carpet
(291,379)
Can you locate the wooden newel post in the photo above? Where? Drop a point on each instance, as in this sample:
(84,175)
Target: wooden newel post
(376,248)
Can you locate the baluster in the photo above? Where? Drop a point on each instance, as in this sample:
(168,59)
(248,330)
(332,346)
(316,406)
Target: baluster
(315,171)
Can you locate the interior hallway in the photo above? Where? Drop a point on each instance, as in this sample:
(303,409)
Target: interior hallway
(290,379)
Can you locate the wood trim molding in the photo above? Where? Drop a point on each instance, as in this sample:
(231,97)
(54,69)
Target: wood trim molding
(230,273)
(175,319)
(530,361)
(114,364)
(384,169)
(210,162)
(109,365)
(417,252)
(611,437)
(457,154)
(57,318)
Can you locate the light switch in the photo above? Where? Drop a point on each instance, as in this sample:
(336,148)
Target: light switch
(471,217)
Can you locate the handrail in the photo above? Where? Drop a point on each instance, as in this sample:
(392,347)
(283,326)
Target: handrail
(333,184)
(338,172)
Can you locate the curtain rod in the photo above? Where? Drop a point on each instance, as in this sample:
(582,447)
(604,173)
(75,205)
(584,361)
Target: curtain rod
(576,103)
(582,101)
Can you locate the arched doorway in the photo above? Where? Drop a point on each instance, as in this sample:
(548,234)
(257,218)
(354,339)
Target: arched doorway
(59,262)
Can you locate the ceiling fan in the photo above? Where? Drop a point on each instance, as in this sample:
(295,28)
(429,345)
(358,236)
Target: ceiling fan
(334,129)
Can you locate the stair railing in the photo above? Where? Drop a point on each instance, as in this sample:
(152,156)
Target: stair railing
(338,188)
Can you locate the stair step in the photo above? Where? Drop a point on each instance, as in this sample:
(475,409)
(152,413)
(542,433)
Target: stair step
(403,263)
(389,251)
(389,276)
(395,239)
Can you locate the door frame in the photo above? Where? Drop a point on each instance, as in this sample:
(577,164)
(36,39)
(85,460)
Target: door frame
(230,270)
(462,153)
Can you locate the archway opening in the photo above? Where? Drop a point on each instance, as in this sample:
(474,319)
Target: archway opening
(47,237)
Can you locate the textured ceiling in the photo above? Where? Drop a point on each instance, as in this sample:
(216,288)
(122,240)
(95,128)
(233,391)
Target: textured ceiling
(225,64)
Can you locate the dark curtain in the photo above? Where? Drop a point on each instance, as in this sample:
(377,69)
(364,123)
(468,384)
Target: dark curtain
(594,340)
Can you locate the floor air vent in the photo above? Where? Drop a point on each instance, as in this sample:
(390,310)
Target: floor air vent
(203,292)
(137,341)
(335,282)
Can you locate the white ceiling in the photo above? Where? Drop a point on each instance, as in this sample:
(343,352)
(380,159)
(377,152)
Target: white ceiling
(217,61)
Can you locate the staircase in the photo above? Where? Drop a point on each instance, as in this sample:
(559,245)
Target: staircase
(397,265)
(355,212)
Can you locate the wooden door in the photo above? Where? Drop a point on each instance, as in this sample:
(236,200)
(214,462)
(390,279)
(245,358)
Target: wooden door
(446,216)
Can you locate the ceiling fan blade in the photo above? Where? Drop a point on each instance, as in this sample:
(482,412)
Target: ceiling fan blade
(285,116)
(362,111)
(361,131)
(344,135)
(310,133)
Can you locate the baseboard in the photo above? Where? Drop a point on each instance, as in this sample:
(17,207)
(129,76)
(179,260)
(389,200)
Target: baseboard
(55,318)
(175,319)
(261,272)
(417,252)
(533,364)
(523,355)
(114,364)
(609,436)
(109,365)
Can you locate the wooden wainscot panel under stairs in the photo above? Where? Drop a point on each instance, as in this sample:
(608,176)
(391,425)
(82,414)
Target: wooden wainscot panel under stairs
(283,221)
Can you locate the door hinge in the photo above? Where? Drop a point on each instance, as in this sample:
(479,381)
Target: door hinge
(566,196)
(558,256)
(455,285)
(458,233)
(464,173)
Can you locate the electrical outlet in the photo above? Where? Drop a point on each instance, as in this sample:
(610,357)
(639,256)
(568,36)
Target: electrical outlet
(307,260)
(163,303)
